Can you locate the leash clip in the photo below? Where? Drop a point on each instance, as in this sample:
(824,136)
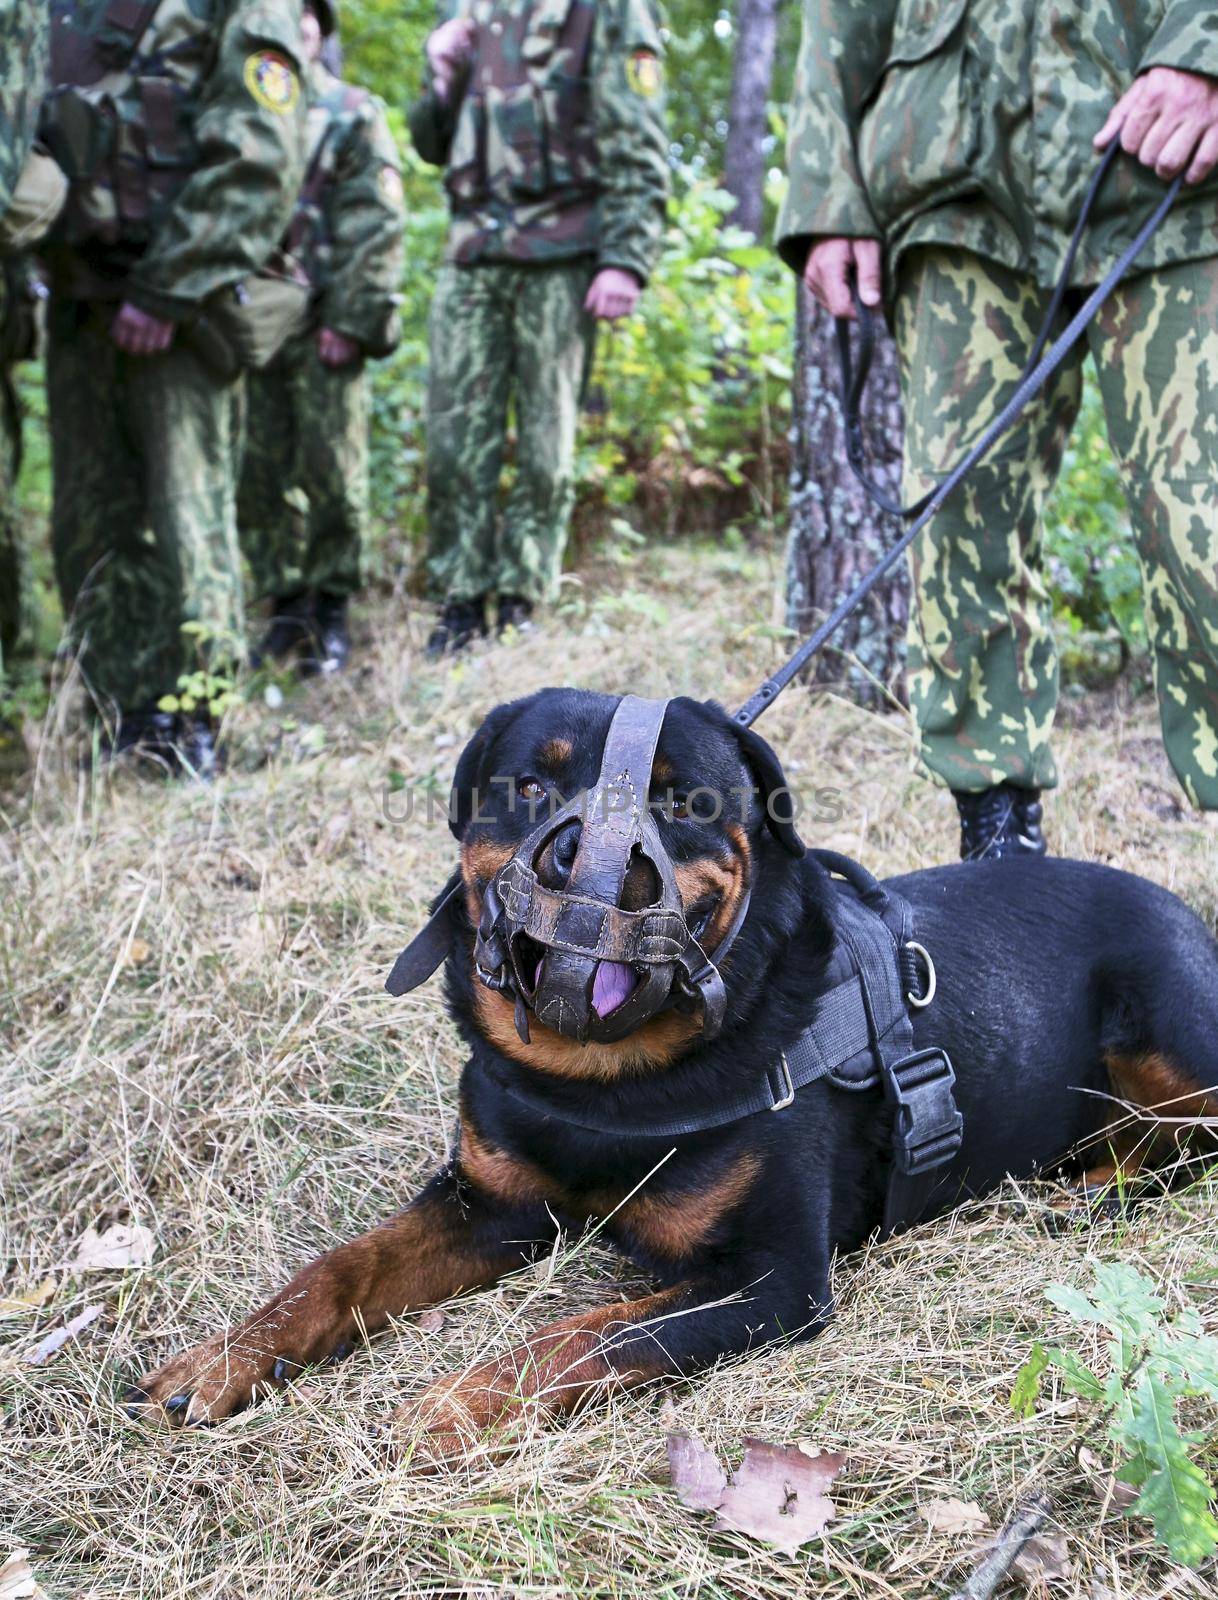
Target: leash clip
(787,1086)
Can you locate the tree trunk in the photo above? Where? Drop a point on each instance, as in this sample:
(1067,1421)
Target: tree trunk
(752,71)
(837,534)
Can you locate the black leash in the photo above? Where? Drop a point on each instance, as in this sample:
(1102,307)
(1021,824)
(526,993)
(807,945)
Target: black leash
(1041,367)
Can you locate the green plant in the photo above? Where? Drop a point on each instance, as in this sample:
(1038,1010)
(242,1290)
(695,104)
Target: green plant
(1156,1361)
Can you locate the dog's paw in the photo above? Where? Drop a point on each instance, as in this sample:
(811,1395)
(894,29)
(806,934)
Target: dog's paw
(210,1381)
(477,1414)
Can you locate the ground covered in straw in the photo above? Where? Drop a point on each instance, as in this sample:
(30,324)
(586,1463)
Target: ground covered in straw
(195,1040)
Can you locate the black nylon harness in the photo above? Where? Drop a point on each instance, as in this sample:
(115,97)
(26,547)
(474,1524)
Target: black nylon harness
(860,1037)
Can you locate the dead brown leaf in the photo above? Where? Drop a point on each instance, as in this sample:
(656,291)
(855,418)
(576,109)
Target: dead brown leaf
(16,1305)
(778,1494)
(17,1581)
(136,952)
(46,1348)
(696,1474)
(431,1322)
(954,1517)
(123,1245)
(1042,1561)
(1103,1484)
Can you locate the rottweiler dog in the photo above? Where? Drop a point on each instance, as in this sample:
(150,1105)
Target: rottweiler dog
(1078,1004)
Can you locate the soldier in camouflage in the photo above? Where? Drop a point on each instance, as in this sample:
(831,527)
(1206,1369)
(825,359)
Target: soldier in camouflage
(302,500)
(27,207)
(940,150)
(548,116)
(180,125)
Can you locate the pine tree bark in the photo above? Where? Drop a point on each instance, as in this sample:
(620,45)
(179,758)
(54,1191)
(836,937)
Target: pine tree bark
(836,533)
(752,71)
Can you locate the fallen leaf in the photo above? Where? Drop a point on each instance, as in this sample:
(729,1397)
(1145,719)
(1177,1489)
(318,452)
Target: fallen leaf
(335,831)
(1043,1560)
(17,1581)
(431,1321)
(668,1412)
(696,1474)
(120,1246)
(14,1305)
(954,1516)
(778,1494)
(136,953)
(1103,1484)
(44,1350)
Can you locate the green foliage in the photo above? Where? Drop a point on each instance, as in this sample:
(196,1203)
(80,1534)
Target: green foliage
(1155,1362)
(1094,579)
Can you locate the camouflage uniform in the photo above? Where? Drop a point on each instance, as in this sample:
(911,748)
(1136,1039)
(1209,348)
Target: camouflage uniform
(557,166)
(975,204)
(23,56)
(181,126)
(303,494)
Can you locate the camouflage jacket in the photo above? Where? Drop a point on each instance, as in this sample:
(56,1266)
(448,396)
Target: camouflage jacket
(555,143)
(180,125)
(23,59)
(346,230)
(969,123)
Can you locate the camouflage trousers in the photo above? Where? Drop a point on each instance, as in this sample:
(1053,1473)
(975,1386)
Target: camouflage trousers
(302,493)
(502,333)
(983,668)
(143,524)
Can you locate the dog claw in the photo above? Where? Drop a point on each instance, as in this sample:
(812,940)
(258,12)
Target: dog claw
(339,1353)
(279,1370)
(177,1402)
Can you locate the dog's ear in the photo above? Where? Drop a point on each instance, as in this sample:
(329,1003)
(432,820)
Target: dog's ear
(472,778)
(762,761)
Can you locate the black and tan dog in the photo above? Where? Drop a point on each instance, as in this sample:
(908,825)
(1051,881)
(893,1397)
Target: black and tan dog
(1075,1001)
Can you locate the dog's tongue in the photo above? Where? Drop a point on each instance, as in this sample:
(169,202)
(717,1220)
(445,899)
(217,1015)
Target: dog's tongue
(613,982)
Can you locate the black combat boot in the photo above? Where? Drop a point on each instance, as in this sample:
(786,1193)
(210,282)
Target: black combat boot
(144,733)
(196,747)
(458,625)
(1000,823)
(290,629)
(514,612)
(329,644)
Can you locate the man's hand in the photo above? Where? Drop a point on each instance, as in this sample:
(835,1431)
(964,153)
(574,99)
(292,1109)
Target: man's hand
(448,49)
(614,293)
(336,349)
(829,268)
(139,333)
(1168,118)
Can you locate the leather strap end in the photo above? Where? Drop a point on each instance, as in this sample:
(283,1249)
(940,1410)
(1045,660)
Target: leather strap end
(427,951)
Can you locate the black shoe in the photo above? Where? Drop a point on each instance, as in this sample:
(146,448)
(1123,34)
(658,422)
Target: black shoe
(197,748)
(329,644)
(1001,823)
(291,629)
(515,612)
(176,743)
(458,625)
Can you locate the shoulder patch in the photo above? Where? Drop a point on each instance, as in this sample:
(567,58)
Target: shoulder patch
(271,80)
(645,73)
(390,182)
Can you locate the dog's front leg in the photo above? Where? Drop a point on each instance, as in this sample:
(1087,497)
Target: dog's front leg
(561,1368)
(450,1238)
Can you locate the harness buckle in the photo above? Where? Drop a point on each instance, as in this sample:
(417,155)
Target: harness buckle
(929,1129)
(788,1088)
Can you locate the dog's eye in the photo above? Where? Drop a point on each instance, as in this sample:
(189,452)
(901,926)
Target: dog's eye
(531,789)
(676,807)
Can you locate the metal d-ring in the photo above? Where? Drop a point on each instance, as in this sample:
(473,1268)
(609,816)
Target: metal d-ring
(932,977)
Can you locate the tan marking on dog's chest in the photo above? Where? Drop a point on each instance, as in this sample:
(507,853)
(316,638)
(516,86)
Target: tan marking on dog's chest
(505,1177)
(652,1046)
(676,1225)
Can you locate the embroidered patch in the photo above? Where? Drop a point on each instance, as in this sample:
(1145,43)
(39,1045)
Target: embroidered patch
(271,79)
(645,74)
(391,185)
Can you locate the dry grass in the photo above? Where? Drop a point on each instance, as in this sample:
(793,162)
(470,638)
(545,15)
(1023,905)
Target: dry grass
(195,1037)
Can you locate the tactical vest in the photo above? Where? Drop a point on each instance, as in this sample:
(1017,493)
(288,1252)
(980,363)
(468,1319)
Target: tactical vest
(125,79)
(525,126)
